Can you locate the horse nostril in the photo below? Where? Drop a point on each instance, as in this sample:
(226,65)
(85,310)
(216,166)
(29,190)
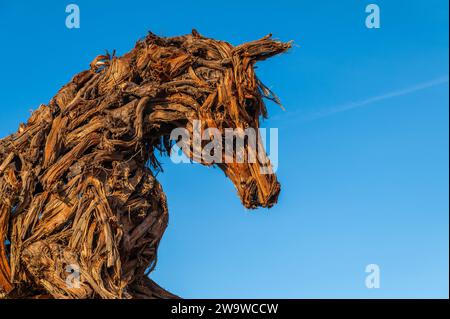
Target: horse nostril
(273,196)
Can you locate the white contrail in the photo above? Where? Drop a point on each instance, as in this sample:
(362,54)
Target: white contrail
(389,95)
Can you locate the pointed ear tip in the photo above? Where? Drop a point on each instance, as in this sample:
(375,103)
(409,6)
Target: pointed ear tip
(195,33)
(287,45)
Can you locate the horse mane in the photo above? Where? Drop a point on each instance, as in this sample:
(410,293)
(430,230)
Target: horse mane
(169,65)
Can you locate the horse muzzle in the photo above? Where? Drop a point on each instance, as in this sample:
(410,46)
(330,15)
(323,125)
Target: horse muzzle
(255,189)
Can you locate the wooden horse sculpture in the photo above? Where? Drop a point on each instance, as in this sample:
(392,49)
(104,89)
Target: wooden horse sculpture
(77,192)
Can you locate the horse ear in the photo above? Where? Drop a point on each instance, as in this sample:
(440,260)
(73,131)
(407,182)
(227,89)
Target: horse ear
(196,34)
(263,48)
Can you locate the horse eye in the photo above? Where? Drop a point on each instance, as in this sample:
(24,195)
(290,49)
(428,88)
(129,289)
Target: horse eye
(250,105)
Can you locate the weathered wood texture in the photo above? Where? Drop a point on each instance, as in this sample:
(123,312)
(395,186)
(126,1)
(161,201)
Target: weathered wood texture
(76,181)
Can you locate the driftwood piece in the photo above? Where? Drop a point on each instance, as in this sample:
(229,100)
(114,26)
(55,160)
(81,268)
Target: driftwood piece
(77,187)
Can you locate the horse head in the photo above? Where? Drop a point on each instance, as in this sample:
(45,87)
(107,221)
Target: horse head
(213,83)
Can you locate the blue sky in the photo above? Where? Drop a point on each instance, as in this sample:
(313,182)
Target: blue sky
(363,141)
